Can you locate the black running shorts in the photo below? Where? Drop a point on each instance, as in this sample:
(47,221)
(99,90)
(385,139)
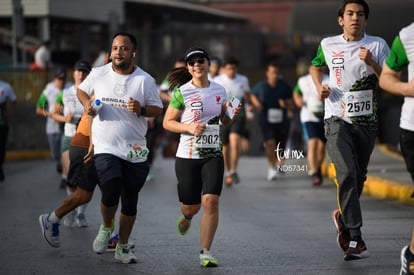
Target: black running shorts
(81,174)
(133,175)
(236,126)
(197,177)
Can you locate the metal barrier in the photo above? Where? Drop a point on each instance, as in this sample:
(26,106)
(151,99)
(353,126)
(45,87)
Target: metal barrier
(27,84)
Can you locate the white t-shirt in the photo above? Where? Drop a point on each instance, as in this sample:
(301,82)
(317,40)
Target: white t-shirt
(402,56)
(237,86)
(201,105)
(51,92)
(307,89)
(115,130)
(352,82)
(71,105)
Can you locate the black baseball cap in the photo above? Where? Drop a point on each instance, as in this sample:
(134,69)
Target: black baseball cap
(195,52)
(59,72)
(83,65)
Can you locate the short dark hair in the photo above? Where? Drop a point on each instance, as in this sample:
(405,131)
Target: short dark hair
(230,60)
(360,2)
(272,63)
(216,60)
(130,36)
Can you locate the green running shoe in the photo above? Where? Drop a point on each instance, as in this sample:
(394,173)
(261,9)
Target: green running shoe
(183,225)
(206,259)
(101,241)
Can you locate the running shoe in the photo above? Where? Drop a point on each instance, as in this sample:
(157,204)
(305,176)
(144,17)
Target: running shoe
(357,250)
(50,231)
(113,242)
(183,225)
(206,259)
(317,178)
(407,261)
(343,237)
(123,253)
(81,220)
(271,174)
(101,241)
(69,219)
(228,180)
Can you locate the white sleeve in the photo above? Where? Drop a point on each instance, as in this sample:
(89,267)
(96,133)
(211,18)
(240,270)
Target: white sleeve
(87,85)
(152,96)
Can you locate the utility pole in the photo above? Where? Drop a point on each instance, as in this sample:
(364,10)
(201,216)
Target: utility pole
(18,30)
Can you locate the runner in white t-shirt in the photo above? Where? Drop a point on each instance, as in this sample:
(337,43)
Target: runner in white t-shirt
(311,115)
(401,57)
(45,106)
(355,62)
(195,110)
(128,95)
(236,85)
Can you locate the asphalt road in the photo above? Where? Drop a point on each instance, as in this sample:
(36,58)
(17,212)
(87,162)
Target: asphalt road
(280,227)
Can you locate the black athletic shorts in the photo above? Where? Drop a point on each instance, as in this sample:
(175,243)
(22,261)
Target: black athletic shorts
(81,174)
(132,174)
(238,126)
(315,130)
(198,177)
(277,132)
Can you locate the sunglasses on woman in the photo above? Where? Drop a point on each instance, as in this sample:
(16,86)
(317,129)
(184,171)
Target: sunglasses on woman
(198,60)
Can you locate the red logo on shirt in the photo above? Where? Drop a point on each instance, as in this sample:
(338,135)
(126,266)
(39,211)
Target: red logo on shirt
(218,99)
(338,60)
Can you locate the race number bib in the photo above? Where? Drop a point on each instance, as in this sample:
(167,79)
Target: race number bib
(358,103)
(137,150)
(274,115)
(210,137)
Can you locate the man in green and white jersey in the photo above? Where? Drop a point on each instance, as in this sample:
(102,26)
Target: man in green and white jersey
(354,60)
(401,57)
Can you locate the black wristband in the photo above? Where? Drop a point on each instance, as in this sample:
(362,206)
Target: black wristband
(143,111)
